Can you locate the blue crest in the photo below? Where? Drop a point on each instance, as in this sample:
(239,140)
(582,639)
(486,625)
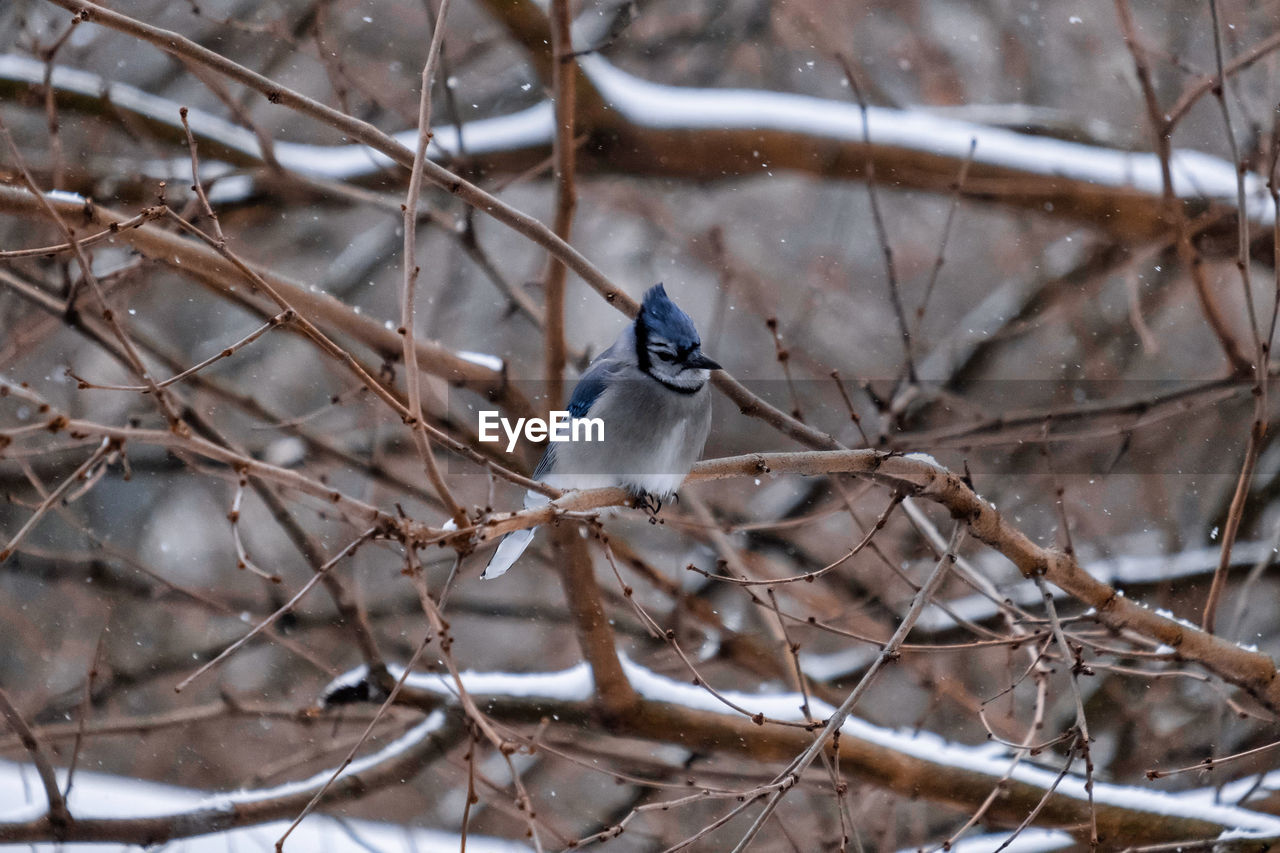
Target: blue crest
(661,316)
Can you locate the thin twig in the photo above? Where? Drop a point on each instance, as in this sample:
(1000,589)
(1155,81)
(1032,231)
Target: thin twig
(524,803)
(957,189)
(280,611)
(786,780)
(1242,220)
(809,577)
(472,799)
(1206,84)
(281,318)
(1031,816)
(106,234)
(564,69)
(346,762)
(1162,131)
(58,814)
(783,355)
(1258,428)
(891,272)
(86,271)
(86,704)
(614,691)
(196,183)
(104,447)
(408,323)
(243,561)
(1075,667)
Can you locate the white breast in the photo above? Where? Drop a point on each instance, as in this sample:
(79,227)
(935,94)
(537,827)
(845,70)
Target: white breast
(668,464)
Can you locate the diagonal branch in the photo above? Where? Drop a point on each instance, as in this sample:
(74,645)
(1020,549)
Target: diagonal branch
(1252,671)
(58,817)
(207,267)
(400,760)
(1162,138)
(918,765)
(676,131)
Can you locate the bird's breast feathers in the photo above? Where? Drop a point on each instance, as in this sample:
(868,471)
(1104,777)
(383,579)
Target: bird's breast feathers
(652,437)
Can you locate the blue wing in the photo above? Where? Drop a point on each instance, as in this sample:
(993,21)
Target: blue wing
(585,394)
(589,389)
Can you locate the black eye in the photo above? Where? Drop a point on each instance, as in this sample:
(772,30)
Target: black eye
(666,356)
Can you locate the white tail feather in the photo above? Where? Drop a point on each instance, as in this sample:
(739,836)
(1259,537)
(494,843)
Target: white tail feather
(509,550)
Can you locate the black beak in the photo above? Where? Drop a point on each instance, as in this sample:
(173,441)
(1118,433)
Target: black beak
(698,360)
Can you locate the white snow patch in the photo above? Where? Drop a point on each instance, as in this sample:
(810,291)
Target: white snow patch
(569,685)
(1195,174)
(1186,623)
(350,678)
(65,195)
(482,358)
(411,738)
(992,759)
(1030,840)
(230,189)
(923,457)
(1113,570)
(534,126)
(106,796)
(654,105)
(987,758)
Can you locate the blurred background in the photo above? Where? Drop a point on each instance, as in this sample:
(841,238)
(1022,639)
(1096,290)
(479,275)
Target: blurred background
(1079,341)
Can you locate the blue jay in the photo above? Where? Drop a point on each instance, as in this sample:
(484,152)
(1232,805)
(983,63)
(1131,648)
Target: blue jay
(650,390)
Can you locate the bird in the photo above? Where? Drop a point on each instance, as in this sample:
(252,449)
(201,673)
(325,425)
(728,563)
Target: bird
(650,390)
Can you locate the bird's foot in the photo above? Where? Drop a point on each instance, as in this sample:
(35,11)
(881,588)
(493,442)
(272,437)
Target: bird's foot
(649,502)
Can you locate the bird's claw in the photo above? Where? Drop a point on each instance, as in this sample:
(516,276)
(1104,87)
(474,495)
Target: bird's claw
(648,502)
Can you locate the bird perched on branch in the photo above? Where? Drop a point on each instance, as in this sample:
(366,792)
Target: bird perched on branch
(650,391)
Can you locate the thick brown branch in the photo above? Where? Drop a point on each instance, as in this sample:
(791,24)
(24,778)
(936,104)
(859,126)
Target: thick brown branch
(1252,671)
(247,811)
(866,759)
(873,762)
(618,146)
(595,636)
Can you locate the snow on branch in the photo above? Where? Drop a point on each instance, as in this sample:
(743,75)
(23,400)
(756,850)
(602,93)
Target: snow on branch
(1122,570)
(652,105)
(239,145)
(863,744)
(124,798)
(1088,180)
(109,808)
(1251,670)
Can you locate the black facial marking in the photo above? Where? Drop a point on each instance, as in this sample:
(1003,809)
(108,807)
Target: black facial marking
(642,344)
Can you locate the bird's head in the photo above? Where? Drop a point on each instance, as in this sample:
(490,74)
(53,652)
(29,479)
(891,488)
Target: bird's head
(667,344)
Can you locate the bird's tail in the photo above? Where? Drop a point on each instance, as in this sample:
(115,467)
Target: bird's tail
(509,550)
